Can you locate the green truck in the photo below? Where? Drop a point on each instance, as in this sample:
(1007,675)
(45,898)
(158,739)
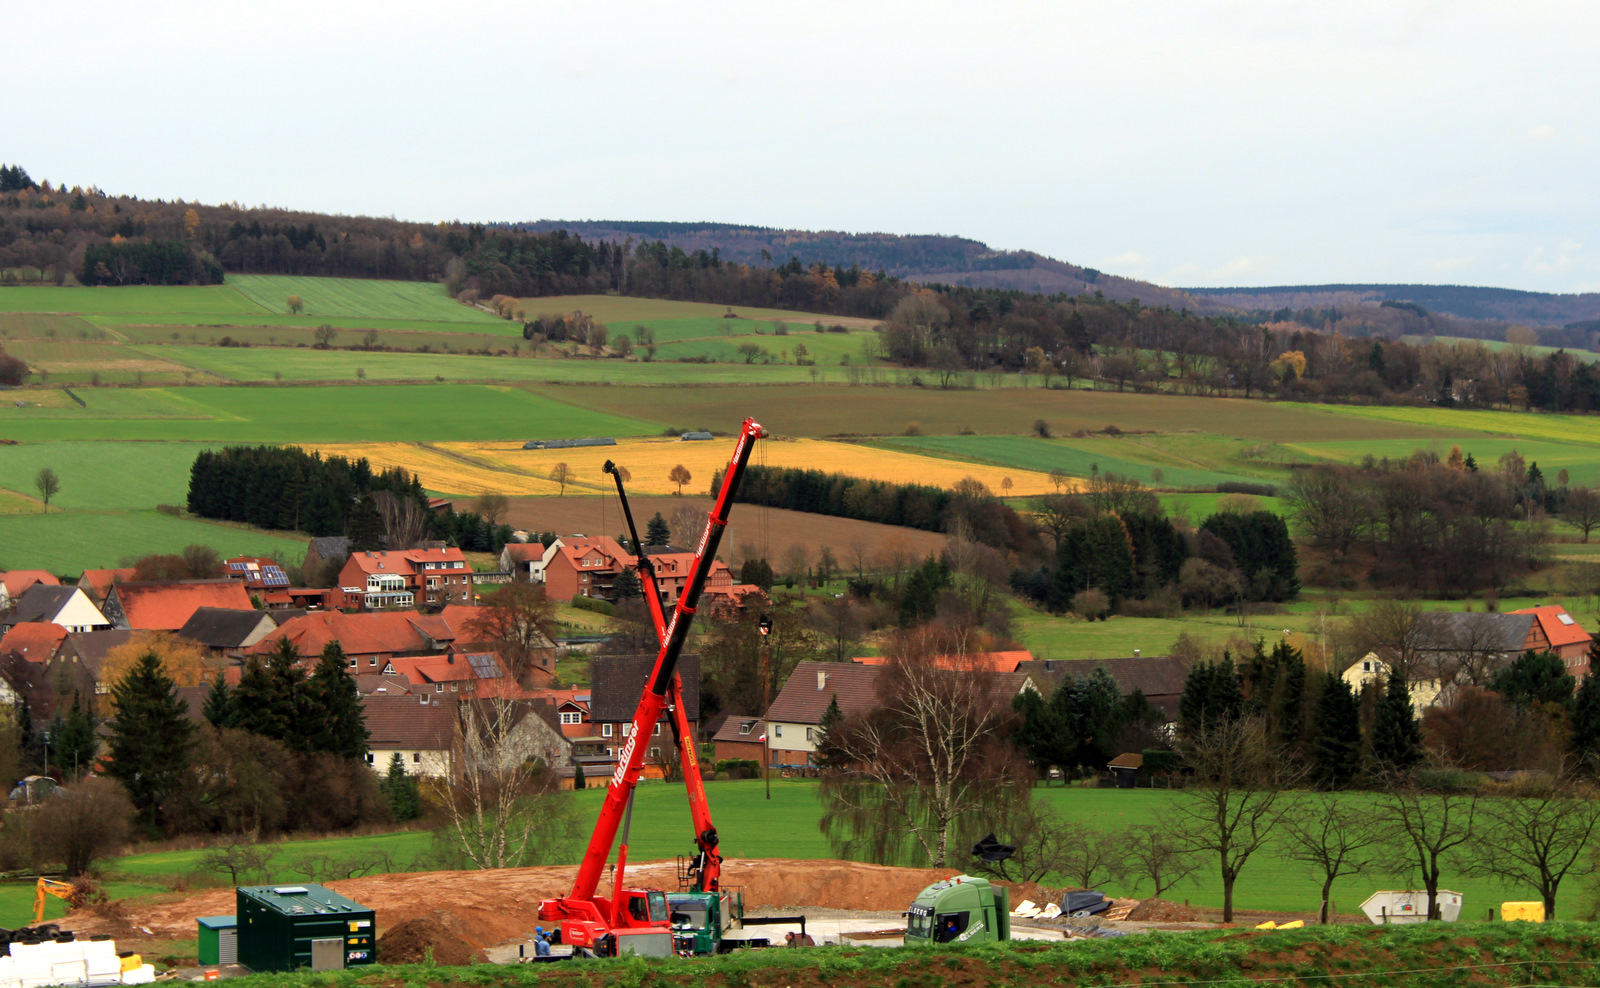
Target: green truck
(963,909)
(700,919)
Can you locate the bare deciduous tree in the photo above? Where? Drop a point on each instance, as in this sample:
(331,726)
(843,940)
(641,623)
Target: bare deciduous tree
(686,524)
(1231,805)
(519,618)
(932,758)
(241,858)
(1538,835)
(501,804)
(1326,830)
(48,484)
(405,522)
(1428,827)
(561,474)
(492,506)
(1154,853)
(679,475)
(1582,509)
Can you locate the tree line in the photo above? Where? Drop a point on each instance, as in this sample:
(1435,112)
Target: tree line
(285,487)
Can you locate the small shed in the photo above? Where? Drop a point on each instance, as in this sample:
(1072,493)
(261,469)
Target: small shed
(696,436)
(219,939)
(1126,768)
(290,927)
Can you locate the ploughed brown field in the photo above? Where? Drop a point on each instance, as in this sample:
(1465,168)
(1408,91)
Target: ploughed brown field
(752,529)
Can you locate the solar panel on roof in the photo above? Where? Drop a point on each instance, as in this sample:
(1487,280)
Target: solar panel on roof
(484,666)
(238,567)
(274,576)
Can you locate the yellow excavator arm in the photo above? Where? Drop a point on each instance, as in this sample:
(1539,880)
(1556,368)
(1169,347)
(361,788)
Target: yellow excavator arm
(48,886)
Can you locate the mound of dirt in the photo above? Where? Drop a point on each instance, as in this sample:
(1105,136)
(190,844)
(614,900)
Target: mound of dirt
(1162,911)
(417,941)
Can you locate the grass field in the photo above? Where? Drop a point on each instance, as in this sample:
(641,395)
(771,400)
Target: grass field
(217,300)
(16,900)
(267,363)
(357,297)
(1579,460)
(620,313)
(787,827)
(1129,457)
(103,475)
(69,542)
(1534,425)
(33,325)
(319,414)
(401,334)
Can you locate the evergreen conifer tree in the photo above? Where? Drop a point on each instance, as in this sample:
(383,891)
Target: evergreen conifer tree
(151,737)
(271,698)
(1396,735)
(1536,677)
(337,723)
(1586,712)
(577,774)
(1291,693)
(828,755)
(366,526)
(657,531)
(219,708)
(1211,695)
(627,585)
(73,740)
(1335,746)
(405,800)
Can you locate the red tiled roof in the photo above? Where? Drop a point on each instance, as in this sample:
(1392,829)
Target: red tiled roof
(524,552)
(419,669)
(98,581)
(378,632)
(19,580)
(169,606)
(35,641)
(1560,632)
(734,728)
(972,661)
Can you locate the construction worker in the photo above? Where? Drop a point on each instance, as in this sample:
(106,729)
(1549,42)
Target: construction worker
(541,946)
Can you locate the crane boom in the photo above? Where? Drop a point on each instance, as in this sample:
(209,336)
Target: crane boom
(586,916)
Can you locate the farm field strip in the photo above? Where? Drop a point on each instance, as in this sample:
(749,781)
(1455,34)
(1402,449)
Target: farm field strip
(1457,421)
(317,414)
(71,541)
(198,329)
(1580,461)
(262,363)
(357,297)
(508,468)
(220,300)
(104,475)
(618,311)
(38,325)
(1076,457)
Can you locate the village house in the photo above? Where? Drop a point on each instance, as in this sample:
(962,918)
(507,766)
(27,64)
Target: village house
(572,710)
(169,606)
(584,566)
(524,561)
(97,582)
(325,549)
(616,683)
(429,733)
(741,737)
(421,730)
(47,603)
(1160,678)
(16,583)
(405,578)
(33,641)
(369,640)
(224,631)
(1370,669)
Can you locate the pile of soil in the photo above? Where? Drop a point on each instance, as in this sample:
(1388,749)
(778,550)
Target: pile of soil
(417,941)
(1162,911)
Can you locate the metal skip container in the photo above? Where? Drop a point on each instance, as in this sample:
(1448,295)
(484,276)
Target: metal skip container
(292,927)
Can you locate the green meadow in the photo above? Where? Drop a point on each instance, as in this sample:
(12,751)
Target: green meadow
(1142,458)
(69,542)
(1534,425)
(786,826)
(357,297)
(216,300)
(97,476)
(403,413)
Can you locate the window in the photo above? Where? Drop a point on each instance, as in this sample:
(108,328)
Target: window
(605,732)
(372,661)
(1366,667)
(627,729)
(369,758)
(657,731)
(655,752)
(438,687)
(571,718)
(416,758)
(811,734)
(746,726)
(777,730)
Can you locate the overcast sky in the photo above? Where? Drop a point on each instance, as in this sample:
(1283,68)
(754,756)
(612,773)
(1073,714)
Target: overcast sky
(1185,143)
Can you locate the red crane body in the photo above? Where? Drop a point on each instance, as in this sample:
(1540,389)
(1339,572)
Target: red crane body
(588,919)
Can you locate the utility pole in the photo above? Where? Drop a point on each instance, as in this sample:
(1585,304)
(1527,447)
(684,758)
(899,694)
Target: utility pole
(765,627)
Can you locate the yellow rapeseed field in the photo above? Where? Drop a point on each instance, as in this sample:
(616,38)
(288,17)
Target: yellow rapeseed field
(507,468)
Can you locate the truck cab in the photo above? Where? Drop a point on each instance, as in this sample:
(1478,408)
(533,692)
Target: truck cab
(700,920)
(962,909)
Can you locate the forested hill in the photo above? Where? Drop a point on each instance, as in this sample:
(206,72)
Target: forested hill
(924,257)
(1468,302)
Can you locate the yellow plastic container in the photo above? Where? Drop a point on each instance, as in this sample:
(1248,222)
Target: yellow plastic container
(132,962)
(1294,925)
(1268,925)
(1533,912)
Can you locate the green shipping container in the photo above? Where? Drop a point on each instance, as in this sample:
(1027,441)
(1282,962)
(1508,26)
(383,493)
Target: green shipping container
(291,927)
(219,940)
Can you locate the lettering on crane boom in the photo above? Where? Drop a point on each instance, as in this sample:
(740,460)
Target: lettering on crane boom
(622,762)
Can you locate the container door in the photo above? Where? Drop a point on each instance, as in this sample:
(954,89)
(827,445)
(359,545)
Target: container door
(228,945)
(327,955)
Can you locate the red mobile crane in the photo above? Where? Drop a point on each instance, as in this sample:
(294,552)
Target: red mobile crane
(638,920)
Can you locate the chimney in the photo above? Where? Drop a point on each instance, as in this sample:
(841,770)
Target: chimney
(822,680)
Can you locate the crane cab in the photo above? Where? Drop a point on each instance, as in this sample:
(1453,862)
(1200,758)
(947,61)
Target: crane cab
(963,909)
(644,927)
